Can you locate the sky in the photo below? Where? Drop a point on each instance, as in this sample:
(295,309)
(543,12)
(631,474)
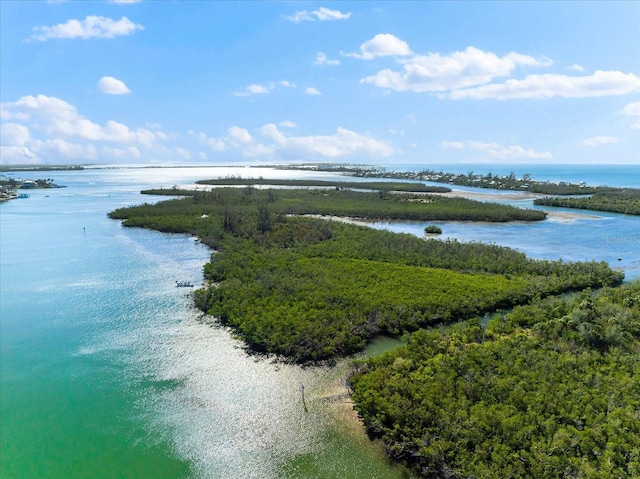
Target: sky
(367,82)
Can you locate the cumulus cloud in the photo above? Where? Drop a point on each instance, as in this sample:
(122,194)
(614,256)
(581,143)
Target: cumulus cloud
(343,143)
(476,74)
(325,14)
(254,89)
(633,109)
(381,45)
(239,135)
(312,91)
(128,153)
(112,86)
(436,73)
(257,89)
(51,128)
(13,134)
(19,155)
(496,150)
(600,140)
(275,144)
(322,14)
(456,145)
(91,27)
(184,154)
(601,83)
(321,59)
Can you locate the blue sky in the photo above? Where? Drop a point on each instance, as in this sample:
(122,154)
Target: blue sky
(418,82)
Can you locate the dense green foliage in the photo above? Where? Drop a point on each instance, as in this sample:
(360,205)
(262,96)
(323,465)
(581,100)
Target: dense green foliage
(363,185)
(312,289)
(626,201)
(433,230)
(347,203)
(551,390)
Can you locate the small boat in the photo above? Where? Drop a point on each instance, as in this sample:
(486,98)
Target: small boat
(184,284)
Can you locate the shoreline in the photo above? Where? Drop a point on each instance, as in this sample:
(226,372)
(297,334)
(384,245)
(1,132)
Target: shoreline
(516,196)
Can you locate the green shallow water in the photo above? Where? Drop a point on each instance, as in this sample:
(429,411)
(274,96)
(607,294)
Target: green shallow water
(107,372)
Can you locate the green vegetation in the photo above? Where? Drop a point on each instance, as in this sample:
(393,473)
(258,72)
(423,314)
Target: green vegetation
(412,187)
(549,390)
(503,182)
(355,204)
(433,230)
(311,289)
(625,201)
(602,198)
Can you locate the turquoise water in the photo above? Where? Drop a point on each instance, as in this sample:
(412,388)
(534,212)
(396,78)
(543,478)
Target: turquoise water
(595,175)
(106,371)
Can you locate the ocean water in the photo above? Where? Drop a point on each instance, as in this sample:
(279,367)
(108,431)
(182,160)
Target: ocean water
(106,371)
(622,176)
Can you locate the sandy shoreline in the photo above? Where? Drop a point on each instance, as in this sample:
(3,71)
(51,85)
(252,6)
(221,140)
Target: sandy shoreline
(518,196)
(476,195)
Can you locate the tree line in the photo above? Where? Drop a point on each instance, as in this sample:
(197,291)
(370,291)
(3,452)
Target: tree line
(548,390)
(310,289)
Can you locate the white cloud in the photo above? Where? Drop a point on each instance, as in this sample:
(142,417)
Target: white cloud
(496,150)
(381,45)
(19,155)
(322,14)
(325,14)
(240,135)
(435,72)
(63,149)
(633,109)
(601,83)
(456,145)
(343,143)
(128,153)
(12,134)
(300,16)
(321,59)
(287,124)
(51,128)
(91,27)
(471,74)
(577,68)
(312,91)
(184,154)
(257,89)
(112,86)
(254,89)
(600,140)
(276,144)
(215,144)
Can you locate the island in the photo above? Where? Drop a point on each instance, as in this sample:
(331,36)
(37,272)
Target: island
(292,283)
(511,366)
(565,195)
